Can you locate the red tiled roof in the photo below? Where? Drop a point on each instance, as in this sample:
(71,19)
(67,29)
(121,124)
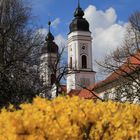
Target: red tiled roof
(86,94)
(130,66)
(132,63)
(73,92)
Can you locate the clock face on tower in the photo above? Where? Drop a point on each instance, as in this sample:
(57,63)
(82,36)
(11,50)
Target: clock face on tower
(83,47)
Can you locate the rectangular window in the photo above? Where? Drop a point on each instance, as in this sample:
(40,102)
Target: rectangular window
(84,61)
(70,62)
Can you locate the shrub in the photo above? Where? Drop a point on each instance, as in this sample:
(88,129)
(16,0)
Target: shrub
(67,118)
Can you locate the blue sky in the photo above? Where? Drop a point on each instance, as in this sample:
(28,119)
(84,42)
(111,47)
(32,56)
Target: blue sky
(64,10)
(108,20)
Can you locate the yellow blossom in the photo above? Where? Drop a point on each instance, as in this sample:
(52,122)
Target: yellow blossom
(66,118)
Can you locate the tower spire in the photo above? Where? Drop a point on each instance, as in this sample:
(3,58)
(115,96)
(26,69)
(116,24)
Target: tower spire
(49,36)
(78,3)
(49,24)
(79,13)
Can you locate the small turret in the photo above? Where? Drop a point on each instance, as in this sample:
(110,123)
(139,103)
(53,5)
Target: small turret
(50,46)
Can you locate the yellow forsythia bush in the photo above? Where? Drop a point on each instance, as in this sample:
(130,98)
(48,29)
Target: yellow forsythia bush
(67,118)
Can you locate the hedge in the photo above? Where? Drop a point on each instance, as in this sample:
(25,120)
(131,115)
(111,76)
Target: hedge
(73,118)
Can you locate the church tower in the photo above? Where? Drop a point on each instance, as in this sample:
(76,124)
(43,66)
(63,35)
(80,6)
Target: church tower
(81,72)
(49,55)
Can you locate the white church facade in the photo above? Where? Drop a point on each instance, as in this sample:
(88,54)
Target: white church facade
(80,73)
(80,65)
(79,53)
(48,60)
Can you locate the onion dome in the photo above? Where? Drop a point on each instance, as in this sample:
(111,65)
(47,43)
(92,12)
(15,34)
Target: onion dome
(79,23)
(50,46)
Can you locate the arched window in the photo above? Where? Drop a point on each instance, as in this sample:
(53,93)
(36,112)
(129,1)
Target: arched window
(84,61)
(53,78)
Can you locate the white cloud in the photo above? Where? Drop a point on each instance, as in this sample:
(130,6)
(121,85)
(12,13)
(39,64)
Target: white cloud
(106,32)
(100,19)
(42,31)
(62,43)
(106,40)
(60,40)
(55,23)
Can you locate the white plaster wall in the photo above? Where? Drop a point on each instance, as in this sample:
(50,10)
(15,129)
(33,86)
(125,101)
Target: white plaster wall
(74,80)
(76,40)
(70,82)
(90,76)
(45,71)
(112,94)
